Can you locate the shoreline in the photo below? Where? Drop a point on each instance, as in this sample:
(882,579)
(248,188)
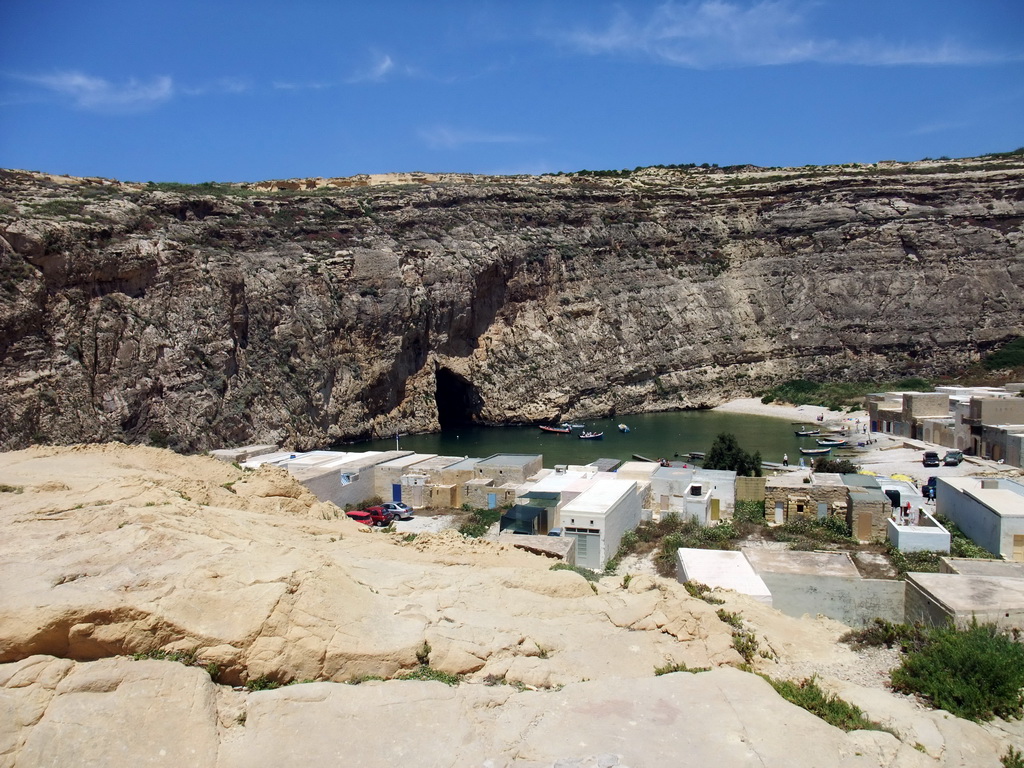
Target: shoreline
(804,413)
(887,455)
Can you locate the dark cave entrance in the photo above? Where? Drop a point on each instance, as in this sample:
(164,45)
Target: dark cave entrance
(458,402)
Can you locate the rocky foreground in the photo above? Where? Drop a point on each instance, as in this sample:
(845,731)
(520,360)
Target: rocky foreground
(304,312)
(110,551)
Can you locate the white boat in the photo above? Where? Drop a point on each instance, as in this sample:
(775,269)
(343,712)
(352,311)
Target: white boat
(623,428)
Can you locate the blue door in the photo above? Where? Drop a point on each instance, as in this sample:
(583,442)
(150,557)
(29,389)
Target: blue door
(492,500)
(396,491)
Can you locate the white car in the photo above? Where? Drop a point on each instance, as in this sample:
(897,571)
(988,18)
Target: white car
(401,511)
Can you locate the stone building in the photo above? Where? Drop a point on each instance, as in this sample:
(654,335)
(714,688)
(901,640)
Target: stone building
(804,494)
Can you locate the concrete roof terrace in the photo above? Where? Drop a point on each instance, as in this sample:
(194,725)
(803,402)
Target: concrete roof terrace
(806,563)
(508,460)
(977,595)
(406,461)
(439,462)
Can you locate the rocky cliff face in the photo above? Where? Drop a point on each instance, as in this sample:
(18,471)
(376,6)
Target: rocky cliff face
(312,311)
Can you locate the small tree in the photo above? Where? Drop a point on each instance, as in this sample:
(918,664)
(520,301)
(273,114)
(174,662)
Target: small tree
(841,466)
(726,453)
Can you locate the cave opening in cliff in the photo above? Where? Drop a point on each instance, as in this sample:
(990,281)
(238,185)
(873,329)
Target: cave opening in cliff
(458,402)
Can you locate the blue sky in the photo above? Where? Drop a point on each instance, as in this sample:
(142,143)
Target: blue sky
(195,91)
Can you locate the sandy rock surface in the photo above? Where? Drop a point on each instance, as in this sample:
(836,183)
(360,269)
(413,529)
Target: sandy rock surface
(111,551)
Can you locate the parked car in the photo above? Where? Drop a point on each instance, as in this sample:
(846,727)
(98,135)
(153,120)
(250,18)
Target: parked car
(371,516)
(931,459)
(361,517)
(953,458)
(399,510)
(380,515)
(928,489)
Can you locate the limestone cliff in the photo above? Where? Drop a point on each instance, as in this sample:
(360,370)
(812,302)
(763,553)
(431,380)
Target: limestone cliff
(309,311)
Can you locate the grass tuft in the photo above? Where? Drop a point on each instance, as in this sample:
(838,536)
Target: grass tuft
(827,706)
(425,672)
(678,666)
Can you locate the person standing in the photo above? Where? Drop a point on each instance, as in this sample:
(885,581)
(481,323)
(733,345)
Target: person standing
(785,459)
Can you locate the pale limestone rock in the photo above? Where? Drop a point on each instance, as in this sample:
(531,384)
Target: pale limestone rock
(117,712)
(139,567)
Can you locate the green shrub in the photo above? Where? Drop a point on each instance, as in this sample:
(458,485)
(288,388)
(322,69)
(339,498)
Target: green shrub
(976,673)
(731,618)
(188,658)
(586,573)
(423,654)
(1010,355)
(959,544)
(881,632)
(837,395)
(262,683)
(745,644)
(748,512)
(363,679)
(840,466)
(702,591)
(827,706)
(678,666)
(913,562)
(1012,759)
(424,672)
(829,530)
(480,522)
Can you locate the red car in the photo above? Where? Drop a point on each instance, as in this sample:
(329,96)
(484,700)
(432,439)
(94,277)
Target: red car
(372,516)
(361,517)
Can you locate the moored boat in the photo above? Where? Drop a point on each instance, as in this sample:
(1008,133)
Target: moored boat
(815,451)
(591,435)
(833,443)
(807,432)
(623,428)
(556,430)
(572,426)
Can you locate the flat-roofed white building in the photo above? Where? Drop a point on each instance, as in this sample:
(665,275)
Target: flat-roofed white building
(598,517)
(989,510)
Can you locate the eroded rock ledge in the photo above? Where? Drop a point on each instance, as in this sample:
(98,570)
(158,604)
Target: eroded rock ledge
(110,550)
(311,311)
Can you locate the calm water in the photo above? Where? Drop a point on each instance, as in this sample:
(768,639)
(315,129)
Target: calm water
(654,435)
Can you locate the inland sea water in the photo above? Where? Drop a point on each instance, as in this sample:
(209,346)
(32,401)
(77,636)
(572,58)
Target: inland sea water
(669,435)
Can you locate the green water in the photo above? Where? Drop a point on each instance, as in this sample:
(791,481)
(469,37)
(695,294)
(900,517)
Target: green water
(654,435)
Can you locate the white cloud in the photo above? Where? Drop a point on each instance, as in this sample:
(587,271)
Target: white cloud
(718,33)
(382,66)
(100,95)
(284,85)
(443,137)
(940,127)
(218,86)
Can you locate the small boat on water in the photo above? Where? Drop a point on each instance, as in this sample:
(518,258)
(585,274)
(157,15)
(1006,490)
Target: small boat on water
(696,455)
(807,432)
(623,428)
(573,426)
(815,451)
(591,435)
(556,430)
(833,443)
